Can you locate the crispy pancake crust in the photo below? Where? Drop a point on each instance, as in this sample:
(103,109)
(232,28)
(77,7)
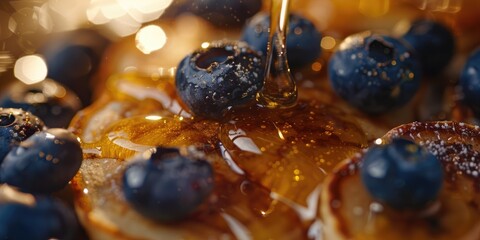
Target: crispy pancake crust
(350,213)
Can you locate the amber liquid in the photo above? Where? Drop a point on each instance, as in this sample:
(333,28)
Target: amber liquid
(288,145)
(279,89)
(270,159)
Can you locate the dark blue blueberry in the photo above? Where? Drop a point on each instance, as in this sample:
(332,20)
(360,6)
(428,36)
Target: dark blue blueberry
(49,100)
(434,43)
(402,174)
(167,186)
(73,59)
(375,73)
(303,39)
(16,125)
(43,163)
(214,79)
(47,219)
(470,82)
(226,13)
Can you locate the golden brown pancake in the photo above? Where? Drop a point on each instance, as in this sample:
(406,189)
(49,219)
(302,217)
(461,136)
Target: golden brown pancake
(271,191)
(349,212)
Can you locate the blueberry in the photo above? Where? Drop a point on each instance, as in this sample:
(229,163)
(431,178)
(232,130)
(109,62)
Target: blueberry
(73,59)
(226,13)
(434,44)
(303,39)
(16,125)
(49,100)
(470,82)
(224,75)
(375,73)
(402,174)
(165,185)
(43,163)
(47,219)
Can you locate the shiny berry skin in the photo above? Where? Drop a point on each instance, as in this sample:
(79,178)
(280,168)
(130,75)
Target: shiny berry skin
(166,186)
(214,79)
(16,125)
(43,163)
(49,100)
(303,39)
(470,82)
(47,219)
(226,13)
(402,174)
(375,73)
(434,44)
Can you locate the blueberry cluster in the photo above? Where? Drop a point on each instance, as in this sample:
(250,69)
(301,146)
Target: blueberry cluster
(36,160)
(165,185)
(402,174)
(31,152)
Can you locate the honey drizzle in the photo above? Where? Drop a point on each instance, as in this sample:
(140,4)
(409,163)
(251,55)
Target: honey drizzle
(279,90)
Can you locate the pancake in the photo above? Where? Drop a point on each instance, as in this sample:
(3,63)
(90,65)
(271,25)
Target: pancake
(349,212)
(275,200)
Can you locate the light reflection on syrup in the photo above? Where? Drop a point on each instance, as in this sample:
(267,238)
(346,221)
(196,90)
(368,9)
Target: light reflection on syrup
(159,88)
(290,151)
(284,146)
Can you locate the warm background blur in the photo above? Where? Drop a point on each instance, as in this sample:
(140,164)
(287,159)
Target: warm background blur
(140,35)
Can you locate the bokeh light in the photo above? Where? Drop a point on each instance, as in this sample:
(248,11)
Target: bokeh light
(30,69)
(124,17)
(150,38)
(328,43)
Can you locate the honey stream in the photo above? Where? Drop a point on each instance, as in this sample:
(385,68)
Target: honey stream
(280,90)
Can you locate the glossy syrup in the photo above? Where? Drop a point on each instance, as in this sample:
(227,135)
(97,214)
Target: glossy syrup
(270,159)
(456,147)
(288,145)
(238,207)
(279,89)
